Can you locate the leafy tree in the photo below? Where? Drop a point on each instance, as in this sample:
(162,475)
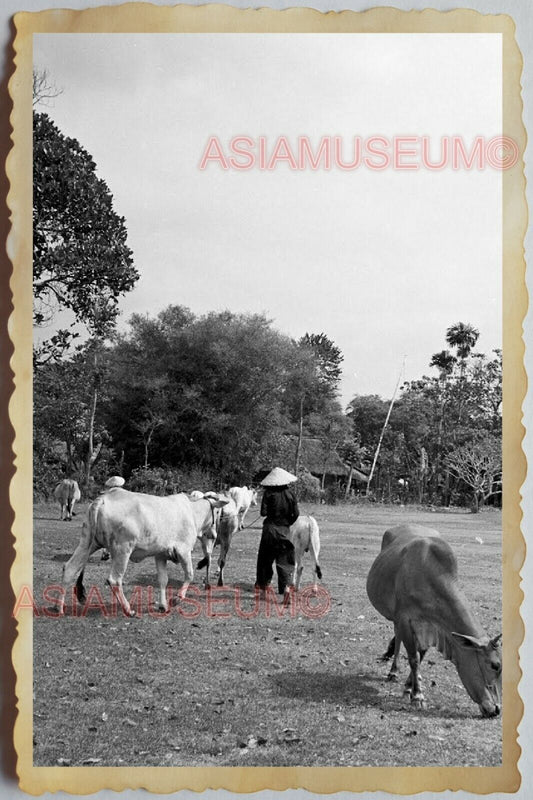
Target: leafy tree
(331,427)
(67,428)
(328,359)
(315,379)
(215,386)
(81,262)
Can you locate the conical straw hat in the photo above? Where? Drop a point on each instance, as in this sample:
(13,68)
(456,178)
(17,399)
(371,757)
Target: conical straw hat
(278,477)
(116,480)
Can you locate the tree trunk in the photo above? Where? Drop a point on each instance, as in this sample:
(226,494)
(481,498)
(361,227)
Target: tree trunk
(300,436)
(146,454)
(70,464)
(349,484)
(92,451)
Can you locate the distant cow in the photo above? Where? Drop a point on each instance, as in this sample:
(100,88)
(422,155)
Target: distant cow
(227,525)
(305,537)
(67,492)
(243,498)
(134,526)
(413,582)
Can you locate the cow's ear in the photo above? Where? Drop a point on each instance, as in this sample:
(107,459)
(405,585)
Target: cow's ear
(466,641)
(220,503)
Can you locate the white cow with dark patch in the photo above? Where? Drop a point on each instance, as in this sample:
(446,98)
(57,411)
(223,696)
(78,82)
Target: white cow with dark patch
(243,498)
(413,583)
(134,526)
(67,493)
(306,538)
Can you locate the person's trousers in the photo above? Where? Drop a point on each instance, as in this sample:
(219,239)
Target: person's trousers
(275,545)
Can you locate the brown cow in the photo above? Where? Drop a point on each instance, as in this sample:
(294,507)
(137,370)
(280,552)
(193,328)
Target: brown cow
(413,582)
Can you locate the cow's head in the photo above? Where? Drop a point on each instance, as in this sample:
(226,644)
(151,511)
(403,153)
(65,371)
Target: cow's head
(479,664)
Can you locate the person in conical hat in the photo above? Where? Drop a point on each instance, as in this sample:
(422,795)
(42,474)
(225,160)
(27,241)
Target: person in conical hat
(280,509)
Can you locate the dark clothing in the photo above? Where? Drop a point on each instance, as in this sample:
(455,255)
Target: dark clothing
(280,508)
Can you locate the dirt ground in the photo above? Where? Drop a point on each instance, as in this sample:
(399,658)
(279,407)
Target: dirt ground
(223,683)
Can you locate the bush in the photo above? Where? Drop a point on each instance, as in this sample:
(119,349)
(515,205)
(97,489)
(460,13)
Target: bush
(333,493)
(166,480)
(307,488)
(155,480)
(46,476)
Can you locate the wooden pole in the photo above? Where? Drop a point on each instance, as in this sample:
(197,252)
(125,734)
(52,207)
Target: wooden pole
(376,454)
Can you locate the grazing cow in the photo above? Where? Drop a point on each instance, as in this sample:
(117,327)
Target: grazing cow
(134,525)
(227,525)
(305,537)
(243,498)
(413,582)
(67,492)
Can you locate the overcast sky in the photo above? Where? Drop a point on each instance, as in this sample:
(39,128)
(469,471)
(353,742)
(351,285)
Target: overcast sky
(381,261)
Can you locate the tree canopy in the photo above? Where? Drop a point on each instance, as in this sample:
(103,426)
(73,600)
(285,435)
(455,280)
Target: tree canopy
(81,261)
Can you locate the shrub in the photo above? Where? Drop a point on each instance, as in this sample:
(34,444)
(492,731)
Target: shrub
(307,488)
(167,480)
(155,480)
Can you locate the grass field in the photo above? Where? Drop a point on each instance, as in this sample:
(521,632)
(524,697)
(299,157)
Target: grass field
(179,690)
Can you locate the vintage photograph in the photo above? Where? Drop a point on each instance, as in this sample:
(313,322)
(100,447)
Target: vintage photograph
(267,400)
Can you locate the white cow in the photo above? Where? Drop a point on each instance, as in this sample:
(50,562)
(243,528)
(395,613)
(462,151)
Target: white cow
(243,498)
(134,526)
(305,537)
(67,492)
(228,524)
(196,495)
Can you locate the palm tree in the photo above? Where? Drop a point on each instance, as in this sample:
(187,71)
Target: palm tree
(463,337)
(444,361)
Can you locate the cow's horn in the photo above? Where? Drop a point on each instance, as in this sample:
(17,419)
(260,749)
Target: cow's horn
(494,642)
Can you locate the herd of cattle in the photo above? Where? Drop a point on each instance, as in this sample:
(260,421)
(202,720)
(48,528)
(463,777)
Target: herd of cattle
(412,582)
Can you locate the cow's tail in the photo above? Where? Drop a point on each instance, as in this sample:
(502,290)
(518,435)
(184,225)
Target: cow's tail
(74,568)
(314,545)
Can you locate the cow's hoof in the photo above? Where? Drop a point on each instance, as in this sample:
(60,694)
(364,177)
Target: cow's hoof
(131,613)
(162,609)
(418,702)
(220,582)
(393,677)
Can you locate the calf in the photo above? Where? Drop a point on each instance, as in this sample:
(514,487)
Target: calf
(243,499)
(67,492)
(305,537)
